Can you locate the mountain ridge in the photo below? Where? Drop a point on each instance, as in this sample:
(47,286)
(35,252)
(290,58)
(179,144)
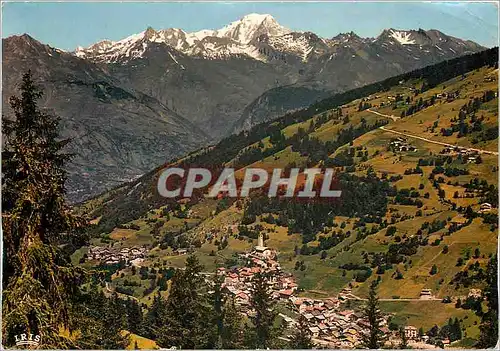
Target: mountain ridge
(205,98)
(241,37)
(99,114)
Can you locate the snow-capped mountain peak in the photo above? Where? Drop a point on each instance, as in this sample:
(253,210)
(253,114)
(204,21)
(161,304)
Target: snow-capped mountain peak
(402,37)
(236,37)
(250,27)
(261,37)
(200,35)
(98,47)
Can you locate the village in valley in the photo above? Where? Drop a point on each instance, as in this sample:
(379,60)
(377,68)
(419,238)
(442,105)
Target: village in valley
(111,255)
(263,260)
(427,252)
(333,322)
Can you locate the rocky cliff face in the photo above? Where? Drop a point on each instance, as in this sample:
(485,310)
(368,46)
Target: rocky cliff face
(117,133)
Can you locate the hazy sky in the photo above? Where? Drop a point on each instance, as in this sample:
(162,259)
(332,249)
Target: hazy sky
(67,25)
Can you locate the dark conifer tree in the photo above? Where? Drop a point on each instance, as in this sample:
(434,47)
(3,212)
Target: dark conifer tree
(374,338)
(457,330)
(101,321)
(233,331)
(114,321)
(301,339)
(404,340)
(134,317)
(489,321)
(154,317)
(264,334)
(187,323)
(39,282)
(227,319)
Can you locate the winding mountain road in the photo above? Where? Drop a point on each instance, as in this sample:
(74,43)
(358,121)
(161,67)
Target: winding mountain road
(394,118)
(481,151)
(355,297)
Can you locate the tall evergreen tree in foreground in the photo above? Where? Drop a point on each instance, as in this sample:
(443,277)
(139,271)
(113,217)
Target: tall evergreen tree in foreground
(374,338)
(154,317)
(264,334)
(227,319)
(187,323)
(39,281)
(489,321)
(101,321)
(301,339)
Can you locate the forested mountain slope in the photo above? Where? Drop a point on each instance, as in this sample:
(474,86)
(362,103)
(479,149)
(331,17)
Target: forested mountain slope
(417,160)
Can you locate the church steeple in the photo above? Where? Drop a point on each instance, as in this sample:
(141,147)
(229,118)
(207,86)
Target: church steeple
(260,240)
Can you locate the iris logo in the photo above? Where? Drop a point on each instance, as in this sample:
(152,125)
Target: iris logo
(28,339)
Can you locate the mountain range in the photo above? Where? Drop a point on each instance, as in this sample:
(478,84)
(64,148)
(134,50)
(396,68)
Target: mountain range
(132,104)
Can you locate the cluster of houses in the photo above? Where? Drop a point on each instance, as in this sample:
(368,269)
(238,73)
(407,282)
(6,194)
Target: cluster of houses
(331,324)
(475,293)
(469,155)
(392,100)
(415,340)
(238,280)
(370,97)
(330,321)
(110,255)
(180,252)
(448,96)
(401,144)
